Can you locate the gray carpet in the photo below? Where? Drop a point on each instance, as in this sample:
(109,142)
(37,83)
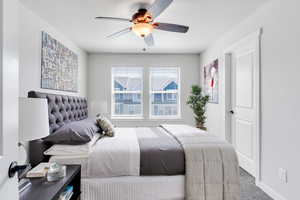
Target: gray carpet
(249,191)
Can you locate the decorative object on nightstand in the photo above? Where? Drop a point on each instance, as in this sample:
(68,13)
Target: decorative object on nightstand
(99,107)
(53,171)
(33,121)
(197,102)
(62,189)
(56,172)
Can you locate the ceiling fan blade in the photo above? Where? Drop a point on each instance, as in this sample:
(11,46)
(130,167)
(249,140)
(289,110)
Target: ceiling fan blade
(149,40)
(171,27)
(158,7)
(119,33)
(113,19)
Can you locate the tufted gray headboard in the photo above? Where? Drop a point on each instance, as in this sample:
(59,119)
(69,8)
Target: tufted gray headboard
(62,109)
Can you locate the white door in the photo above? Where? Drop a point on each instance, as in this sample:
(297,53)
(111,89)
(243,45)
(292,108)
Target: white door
(245,101)
(8,96)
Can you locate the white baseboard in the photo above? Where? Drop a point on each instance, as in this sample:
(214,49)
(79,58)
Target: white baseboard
(268,190)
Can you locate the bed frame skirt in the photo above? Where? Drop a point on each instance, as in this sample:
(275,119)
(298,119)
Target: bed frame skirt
(134,188)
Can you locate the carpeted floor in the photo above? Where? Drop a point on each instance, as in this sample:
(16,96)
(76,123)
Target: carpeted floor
(249,191)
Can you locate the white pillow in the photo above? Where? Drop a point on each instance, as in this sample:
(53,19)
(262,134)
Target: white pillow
(71,150)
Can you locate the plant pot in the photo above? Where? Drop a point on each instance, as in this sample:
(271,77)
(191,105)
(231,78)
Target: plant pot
(201,127)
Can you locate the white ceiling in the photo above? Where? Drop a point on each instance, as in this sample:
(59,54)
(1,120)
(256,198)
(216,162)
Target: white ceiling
(208,20)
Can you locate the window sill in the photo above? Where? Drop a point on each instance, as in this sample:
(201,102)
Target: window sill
(127,118)
(165,118)
(147,119)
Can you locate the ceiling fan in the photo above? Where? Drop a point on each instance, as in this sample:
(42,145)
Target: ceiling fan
(143,22)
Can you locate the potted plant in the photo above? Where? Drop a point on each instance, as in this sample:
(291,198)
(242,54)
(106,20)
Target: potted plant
(197,102)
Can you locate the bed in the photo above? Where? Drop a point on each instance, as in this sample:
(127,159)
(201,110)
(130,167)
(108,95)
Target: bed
(169,162)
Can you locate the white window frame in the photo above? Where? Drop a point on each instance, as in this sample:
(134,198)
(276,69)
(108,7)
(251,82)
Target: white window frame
(178,116)
(113,92)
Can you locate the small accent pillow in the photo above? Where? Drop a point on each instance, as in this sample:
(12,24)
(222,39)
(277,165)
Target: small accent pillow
(72,150)
(106,126)
(74,133)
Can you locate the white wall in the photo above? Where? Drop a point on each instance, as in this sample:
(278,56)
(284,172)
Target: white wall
(99,80)
(30,39)
(280,69)
(31,27)
(9,89)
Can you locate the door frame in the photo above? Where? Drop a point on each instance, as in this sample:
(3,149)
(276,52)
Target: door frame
(9,93)
(255,36)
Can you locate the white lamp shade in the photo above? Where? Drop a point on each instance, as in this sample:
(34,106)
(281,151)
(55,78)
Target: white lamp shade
(33,119)
(99,107)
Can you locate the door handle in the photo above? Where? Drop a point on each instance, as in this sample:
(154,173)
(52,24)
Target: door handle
(231,112)
(14,168)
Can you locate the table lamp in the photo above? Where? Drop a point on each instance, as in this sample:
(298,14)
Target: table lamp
(33,125)
(33,120)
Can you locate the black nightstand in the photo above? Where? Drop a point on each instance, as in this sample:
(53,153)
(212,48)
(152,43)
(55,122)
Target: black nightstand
(40,189)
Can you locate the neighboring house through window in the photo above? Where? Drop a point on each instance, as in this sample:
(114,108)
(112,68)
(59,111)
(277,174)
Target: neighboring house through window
(127,92)
(164,92)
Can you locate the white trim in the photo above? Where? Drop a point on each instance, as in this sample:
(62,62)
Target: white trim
(126,92)
(257,37)
(178,92)
(164,92)
(2,51)
(258,111)
(256,34)
(113,92)
(270,191)
(127,117)
(166,117)
(227,96)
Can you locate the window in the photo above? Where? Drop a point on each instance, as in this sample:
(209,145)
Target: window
(164,93)
(127,92)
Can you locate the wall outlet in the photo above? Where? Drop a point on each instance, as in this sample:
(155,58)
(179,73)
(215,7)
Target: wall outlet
(282,174)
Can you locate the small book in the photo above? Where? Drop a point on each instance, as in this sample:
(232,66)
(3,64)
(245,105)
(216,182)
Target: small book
(38,171)
(67,194)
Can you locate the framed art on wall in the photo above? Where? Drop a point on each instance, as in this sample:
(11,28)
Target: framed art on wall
(59,65)
(211,81)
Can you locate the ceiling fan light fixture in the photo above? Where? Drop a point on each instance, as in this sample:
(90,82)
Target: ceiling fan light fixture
(142,29)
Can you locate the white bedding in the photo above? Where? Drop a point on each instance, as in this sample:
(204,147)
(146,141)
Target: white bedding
(126,187)
(109,157)
(211,168)
(211,165)
(134,188)
(73,160)
(71,150)
(115,156)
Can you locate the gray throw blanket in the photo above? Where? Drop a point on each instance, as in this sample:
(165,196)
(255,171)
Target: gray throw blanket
(212,169)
